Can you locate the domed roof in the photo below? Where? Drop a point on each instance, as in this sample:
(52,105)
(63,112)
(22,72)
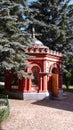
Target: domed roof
(36,42)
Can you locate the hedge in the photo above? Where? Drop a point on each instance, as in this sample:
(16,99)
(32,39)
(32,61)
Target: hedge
(4,107)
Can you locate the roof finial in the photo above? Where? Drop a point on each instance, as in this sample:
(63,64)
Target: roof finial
(33,32)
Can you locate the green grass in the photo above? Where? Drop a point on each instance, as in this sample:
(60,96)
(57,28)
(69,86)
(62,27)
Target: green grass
(70,89)
(4,113)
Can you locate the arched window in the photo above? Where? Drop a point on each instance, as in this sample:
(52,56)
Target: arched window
(35,74)
(54,71)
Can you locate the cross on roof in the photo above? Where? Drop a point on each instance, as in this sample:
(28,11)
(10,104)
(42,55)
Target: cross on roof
(34,34)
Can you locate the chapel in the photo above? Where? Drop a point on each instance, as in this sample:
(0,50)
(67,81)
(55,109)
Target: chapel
(46,70)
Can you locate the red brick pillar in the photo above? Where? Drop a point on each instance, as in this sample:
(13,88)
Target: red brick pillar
(25,85)
(44,66)
(40,83)
(45,82)
(29,83)
(55,85)
(49,82)
(60,81)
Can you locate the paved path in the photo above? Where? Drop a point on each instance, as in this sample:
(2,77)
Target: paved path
(40,115)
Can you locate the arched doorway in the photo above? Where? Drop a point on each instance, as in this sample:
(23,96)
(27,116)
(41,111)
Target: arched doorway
(35,80)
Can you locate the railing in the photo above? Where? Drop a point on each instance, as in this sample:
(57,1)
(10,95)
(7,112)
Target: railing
(4,107)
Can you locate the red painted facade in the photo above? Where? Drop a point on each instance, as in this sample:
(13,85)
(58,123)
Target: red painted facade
(43,64)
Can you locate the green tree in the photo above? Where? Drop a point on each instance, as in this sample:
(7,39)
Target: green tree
(13,40)
(50,19)
(53,19)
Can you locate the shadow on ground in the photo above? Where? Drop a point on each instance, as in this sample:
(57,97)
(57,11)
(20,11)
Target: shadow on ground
(65,104)
(68,90)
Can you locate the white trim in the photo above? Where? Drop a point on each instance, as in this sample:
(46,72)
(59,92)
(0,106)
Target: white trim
(35,96)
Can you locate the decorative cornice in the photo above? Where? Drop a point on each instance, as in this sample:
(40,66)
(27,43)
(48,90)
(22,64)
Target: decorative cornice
(43,50)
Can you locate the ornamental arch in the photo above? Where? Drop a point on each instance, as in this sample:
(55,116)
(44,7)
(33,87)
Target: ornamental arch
(54,68)
(43,66)
(35,70)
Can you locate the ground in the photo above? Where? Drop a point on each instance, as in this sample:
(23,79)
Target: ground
(40,115)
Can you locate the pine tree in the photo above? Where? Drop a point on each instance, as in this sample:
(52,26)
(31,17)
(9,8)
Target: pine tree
(68,49)
(13,41)
(53,19)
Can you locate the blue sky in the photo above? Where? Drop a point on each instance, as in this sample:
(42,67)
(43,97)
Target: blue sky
(71,2)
